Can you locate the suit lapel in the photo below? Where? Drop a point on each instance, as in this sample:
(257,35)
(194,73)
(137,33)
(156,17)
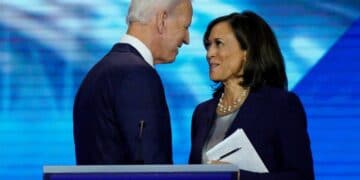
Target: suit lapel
(210,116)
(248,112)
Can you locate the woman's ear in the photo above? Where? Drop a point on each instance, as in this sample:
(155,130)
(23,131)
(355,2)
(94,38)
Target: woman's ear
(245,55)
(243,62)
(161,18)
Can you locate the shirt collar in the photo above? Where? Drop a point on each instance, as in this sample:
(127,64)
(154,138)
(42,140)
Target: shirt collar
(139,46)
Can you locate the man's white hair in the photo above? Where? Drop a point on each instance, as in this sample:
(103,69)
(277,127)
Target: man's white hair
(143,10)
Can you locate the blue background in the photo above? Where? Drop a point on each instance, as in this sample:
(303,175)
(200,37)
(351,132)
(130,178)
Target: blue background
(47,47)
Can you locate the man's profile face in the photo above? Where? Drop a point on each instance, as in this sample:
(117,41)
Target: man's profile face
(177,32)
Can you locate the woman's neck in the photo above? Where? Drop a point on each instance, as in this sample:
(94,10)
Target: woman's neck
(232,98)
(233,90)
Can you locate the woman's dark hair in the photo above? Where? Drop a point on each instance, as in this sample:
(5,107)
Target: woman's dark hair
(264,63)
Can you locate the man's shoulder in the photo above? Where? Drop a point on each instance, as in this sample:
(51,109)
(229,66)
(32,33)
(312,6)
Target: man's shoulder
(123,48)
(122,65)
(124,54)
(124,59)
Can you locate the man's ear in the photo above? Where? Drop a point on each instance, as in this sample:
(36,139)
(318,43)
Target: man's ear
(161,18)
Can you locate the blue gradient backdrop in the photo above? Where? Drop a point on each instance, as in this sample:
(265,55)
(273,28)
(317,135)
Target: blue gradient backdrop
(46,48)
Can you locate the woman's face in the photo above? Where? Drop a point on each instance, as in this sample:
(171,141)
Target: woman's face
(224,55)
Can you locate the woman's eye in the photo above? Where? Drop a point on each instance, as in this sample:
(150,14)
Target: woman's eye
(215,43)
(218,43)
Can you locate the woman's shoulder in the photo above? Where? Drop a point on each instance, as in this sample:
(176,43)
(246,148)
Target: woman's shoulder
(277,93)
(281,97)
(203,106)
(284,99)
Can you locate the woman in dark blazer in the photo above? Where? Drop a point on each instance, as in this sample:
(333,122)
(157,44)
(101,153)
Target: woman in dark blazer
(246,63)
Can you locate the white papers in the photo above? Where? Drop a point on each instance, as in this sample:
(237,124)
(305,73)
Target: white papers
(246,158)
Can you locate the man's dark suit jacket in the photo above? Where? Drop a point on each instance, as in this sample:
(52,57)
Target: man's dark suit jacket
(275,122)
(117,94)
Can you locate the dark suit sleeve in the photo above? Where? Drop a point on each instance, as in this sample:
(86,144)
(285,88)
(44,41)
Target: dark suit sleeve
(140,97)
(292,143)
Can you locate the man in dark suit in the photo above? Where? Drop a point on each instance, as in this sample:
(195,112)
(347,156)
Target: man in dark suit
(120,113)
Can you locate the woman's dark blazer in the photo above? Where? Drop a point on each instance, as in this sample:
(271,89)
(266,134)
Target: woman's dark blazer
(275,122)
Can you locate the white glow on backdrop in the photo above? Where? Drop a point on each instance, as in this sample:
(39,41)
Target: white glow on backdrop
(309,52)
(307,49)
(214,8)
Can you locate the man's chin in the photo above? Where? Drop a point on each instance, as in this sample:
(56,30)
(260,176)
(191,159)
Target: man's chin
(169,61)
(165,61)
(171,58)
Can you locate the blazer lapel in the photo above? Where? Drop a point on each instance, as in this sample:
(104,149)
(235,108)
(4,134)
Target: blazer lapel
(247,112)
(210,117)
